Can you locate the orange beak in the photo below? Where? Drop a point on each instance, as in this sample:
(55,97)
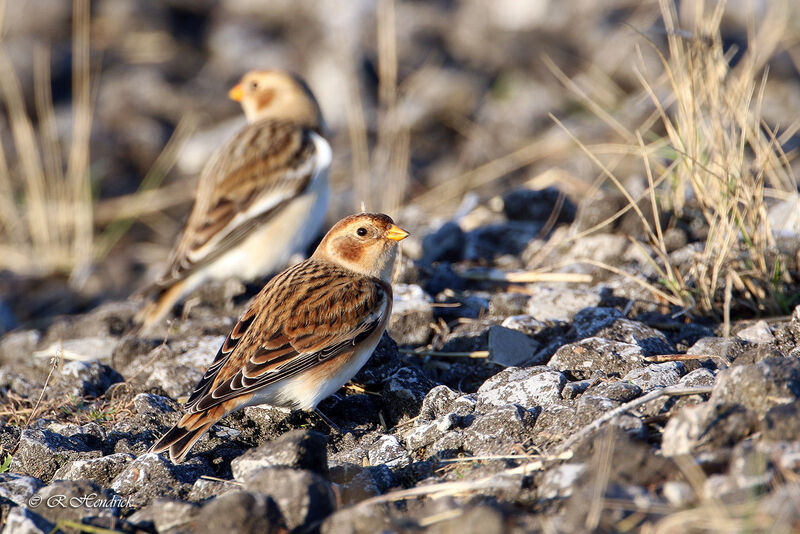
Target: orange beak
(236,93)
(396,233)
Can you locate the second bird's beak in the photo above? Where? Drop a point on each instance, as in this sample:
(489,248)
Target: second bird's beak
(236,93)
(395,233)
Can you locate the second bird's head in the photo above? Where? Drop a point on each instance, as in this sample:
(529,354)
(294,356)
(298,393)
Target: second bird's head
(278,95)
(365,243)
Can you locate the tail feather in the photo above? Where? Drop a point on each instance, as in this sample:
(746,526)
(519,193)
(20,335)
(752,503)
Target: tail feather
(180,438)
(158,308)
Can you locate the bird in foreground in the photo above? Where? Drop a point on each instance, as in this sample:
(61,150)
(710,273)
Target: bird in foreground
(261,197)
(309,331)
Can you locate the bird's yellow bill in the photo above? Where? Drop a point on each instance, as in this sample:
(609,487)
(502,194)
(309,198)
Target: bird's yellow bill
(396,233)
(236,93)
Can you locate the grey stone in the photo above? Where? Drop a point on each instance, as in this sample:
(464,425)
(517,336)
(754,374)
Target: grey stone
(523,323)
(560,302)
(589,321)
(81,349)
(724,350)
(151,476)
(759,386)
(537,205)
(757,333)
(474,520)
(656,375)
(75,500)
(298,449)
(511,348)
(498,430)
(18,488)
(782,422)
(437,402)
(558,482)
(649,339)
(679,494)
(21,520)
(404,391)
(99,470)
(153,405)
(388,451)
(529,387)
(573,390)
(698,377)
(426,433)
(412,315)
(239,512)
(583,358)
(42,452)
(303,497)
(85,379)
(164,515)
(616,390)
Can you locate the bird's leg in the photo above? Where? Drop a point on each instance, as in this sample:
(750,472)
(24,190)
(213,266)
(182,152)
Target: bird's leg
(328,422)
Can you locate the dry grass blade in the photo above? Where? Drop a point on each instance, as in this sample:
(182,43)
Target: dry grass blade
(524,277)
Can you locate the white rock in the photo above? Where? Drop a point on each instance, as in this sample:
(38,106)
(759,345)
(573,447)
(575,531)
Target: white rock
(529,387)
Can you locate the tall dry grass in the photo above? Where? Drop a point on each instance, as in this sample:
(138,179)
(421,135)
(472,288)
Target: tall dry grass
(46,212)
(707,152)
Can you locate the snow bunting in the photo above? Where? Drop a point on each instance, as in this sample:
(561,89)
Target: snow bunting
(309,331)
(261,197)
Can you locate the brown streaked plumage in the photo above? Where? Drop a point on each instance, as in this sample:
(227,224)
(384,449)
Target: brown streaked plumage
(260,198)
(309,330)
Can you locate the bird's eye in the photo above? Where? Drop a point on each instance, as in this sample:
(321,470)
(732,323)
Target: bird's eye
(362,231)
(253,85)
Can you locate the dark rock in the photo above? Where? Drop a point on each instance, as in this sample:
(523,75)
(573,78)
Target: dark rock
(782,422)
(76,500)
(99,470)
(357,483)
(757,353)
(445,244)
(42,452)
(724,350)
(298,449)
(531,387)
(403,393)
(608,323)
(151,476)
(511,348)
(589,321)
(239,512)
(303,497)
(383,363)
(573,390)
(582,359)
(493,240)
(537,205)
(412,315)
(597,208)
(689,334)
(152,405)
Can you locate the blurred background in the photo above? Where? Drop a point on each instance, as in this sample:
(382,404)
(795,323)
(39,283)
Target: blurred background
(111,107)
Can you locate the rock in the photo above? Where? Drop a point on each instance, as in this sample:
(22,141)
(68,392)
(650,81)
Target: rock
(508,305)
(298,449)
(81,350)
(706,426)
(523,323)
(573,390)
(76,500)
(303,497)
(537,205)
(18,488)
(698,377)
(21,520)
(496,431)
(589,321)
(556,302)
(153,405)
(531,387)
(42,452)
(757,333)
(445,244)
(475,520)
(500,239)
(782,422)
(99,470)
(759,386)
(427,433)
(678,494)
(437,402)
(412,315)
(617,390)
(238,511)
(388,451)
(363,483)
(403,393)
(178,369)
(723,350)
(511,348)
(582,359)
(151,476)
(559,481)
(164,515)
(656,375)
(85,379)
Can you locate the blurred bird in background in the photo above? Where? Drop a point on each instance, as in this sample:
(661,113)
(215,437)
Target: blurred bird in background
(261,197)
